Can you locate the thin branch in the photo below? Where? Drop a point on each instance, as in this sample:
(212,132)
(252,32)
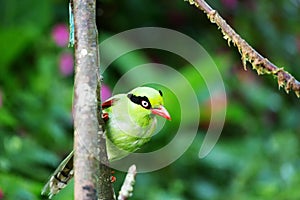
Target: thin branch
(248,54)
(127,187)
(92,176)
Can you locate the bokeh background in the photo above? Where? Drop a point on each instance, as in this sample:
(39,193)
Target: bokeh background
(257,155)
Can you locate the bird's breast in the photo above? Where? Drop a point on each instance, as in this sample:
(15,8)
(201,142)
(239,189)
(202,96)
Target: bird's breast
(125,135)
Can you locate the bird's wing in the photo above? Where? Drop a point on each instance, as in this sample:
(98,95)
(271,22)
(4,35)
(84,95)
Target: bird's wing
(60,177)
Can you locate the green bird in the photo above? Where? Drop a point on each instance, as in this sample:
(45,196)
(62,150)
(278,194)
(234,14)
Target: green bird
(130,123)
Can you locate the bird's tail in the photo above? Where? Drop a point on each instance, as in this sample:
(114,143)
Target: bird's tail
(60,178)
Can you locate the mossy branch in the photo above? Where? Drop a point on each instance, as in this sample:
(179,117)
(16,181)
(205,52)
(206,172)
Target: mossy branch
(248,54)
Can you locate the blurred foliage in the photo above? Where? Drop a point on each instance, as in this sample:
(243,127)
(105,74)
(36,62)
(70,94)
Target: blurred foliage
(257,155)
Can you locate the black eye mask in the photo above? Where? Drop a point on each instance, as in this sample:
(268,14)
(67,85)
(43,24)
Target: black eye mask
(160,92)
(142,101)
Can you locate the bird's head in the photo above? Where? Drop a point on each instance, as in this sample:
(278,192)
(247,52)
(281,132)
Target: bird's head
(148,101)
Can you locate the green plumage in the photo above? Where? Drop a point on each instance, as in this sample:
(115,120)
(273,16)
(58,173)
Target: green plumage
(131,123)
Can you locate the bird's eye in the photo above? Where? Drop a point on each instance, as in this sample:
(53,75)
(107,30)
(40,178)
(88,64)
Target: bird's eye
(145,104)
(143,101)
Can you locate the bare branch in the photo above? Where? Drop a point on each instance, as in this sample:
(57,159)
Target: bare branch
(127,187)
(259,63)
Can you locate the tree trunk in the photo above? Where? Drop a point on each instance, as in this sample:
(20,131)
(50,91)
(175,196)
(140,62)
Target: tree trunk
(92,174)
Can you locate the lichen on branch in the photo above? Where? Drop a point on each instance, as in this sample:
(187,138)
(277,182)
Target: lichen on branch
(248,54)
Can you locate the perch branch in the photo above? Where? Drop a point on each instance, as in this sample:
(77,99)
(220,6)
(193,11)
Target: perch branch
(248,54)
(127,187)
(92,176)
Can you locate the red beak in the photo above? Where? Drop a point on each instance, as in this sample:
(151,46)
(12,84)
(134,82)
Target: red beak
(161,111)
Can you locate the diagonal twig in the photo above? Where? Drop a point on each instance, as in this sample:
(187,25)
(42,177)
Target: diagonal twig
(248,54)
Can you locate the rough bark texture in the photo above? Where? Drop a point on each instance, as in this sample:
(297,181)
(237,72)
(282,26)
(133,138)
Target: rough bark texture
(92,178)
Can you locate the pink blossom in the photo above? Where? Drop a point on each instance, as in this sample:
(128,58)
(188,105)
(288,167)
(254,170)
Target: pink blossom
(1,194)
(105,92)
(66,64)
(60,35)
(231,4)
